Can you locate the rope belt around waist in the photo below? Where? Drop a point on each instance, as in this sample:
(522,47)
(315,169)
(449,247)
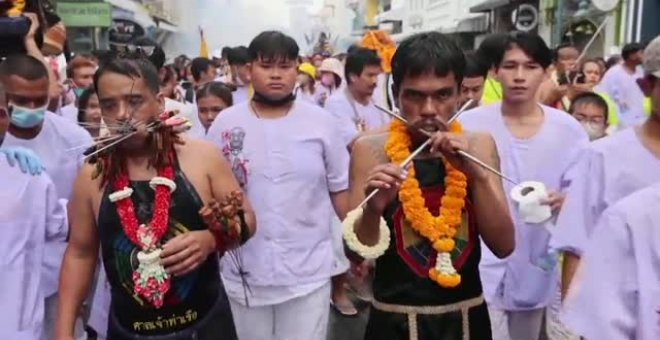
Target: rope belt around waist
(413,311)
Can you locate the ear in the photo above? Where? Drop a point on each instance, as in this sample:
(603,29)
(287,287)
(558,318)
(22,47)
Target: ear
(161,102)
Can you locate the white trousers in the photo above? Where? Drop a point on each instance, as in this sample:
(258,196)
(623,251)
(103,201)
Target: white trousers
(50,316)
(305,317)
(518,325)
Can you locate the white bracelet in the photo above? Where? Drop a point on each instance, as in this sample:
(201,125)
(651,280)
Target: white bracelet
(162,181)
(354,244)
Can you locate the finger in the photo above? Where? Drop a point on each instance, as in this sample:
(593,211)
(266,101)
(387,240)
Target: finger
(392,170)
(10,158)
(373,185)
(437,140)
(176,258)
(175,245)
(22,163)
(385,178)
(186,266)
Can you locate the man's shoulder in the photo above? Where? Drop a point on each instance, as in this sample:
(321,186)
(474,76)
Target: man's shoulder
(67,130)
(371,146)
(19,179)
(480,115)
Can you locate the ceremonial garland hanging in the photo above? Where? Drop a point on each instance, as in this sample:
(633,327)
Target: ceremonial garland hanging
(440,230)
(381,42)
(150,279)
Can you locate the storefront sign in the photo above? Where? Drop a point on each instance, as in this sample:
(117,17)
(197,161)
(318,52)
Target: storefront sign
(525,18)
(123,31)
(85,14)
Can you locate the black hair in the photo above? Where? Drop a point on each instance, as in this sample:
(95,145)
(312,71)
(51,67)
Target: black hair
(132,68)
(200,65)
(555,52)
(157,57)
(273,46)
(24,66)
(224,53)
(351,48)
(358,60)
(83,102)
(474,66)
(216,89)
(532,44)
(611,61)
(630,49)
(428,52)
(589,98)
(490,47)
(238,56)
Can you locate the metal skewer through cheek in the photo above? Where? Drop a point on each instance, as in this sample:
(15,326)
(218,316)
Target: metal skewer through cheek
(419,149)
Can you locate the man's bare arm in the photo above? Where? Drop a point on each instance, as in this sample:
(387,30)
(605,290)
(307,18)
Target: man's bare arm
(223,182)
(81,254)
(340,203)
(368,152)
(569,267)
(489,201)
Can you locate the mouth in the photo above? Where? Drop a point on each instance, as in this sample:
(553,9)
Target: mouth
(518,89)
(276,86)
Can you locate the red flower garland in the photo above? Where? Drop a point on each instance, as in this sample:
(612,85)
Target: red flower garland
(155,287)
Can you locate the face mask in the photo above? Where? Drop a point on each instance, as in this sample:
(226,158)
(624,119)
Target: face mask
(78,92)
(24,117)
(594,131)
(328,79)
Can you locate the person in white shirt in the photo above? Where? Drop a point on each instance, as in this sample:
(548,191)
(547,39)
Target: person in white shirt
(239,62)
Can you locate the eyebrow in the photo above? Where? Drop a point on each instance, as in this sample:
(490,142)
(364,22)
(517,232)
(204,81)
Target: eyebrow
(442,90)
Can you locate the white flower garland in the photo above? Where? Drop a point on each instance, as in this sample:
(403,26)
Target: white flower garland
(444,265)
(354,244)
(162,181)
(120,194)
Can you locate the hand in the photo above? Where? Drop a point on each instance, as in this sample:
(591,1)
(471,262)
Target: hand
(186,252)
(34,25)
(27,160)
(575,90)
(387,178)
(555,201)
(449,144)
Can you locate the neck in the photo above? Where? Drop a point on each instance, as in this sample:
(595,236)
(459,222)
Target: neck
(629,66)
(263,110)
(359,97)
(521,109)
(651,128)
(25,133)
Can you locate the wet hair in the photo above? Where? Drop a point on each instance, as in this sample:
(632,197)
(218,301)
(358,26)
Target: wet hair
(238,56)
(132,68)
(532,44)
(589,98)
(200,65)
(555,52)
(216,89)
(78,62)
(83,102)
(358,60)
(490,47)
(630,49)
(428,52)
(474,66)
(273,46)
(23,66)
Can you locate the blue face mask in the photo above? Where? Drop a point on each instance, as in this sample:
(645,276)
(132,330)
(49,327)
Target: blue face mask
(26,118)
(78,92)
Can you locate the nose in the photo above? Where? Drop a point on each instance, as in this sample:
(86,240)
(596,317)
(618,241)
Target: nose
(123,113)
(520,74)
(428,109)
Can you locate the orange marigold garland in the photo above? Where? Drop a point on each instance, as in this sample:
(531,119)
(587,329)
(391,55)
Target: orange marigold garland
(439,230)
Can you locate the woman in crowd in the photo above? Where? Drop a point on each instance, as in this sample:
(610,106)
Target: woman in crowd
(169,86)
(212,98)
(331,79)
(89,112)
(306,89)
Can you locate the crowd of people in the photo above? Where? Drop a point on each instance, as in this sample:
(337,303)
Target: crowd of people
(248,195)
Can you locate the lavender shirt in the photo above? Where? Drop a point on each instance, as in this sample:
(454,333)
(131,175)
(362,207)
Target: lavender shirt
(288,167)
(30,215)
(54,144)
(616,295)
(349,112)
(622,87)
(520,282)
(610,169)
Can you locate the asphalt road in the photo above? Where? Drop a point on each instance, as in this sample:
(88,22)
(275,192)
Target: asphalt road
(348,328)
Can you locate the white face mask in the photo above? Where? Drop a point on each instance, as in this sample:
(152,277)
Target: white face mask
(594,131)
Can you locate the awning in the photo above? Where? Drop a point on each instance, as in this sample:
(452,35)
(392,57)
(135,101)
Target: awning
(489,5)
(132,10)
(394,14)
(475,24)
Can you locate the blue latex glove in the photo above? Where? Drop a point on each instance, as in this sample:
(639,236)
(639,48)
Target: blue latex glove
(27,160)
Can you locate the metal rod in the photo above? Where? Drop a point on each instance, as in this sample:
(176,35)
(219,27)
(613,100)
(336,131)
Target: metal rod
(460,152)
(419,149)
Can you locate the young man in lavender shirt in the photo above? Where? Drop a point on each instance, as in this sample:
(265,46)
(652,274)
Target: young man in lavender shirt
(289,158)
(617,294)
(535,143)
(609,170)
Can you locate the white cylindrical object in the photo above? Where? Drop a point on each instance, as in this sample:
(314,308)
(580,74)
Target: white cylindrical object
(530,196)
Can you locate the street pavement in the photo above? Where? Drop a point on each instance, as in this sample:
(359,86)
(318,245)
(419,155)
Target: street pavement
(348,328)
